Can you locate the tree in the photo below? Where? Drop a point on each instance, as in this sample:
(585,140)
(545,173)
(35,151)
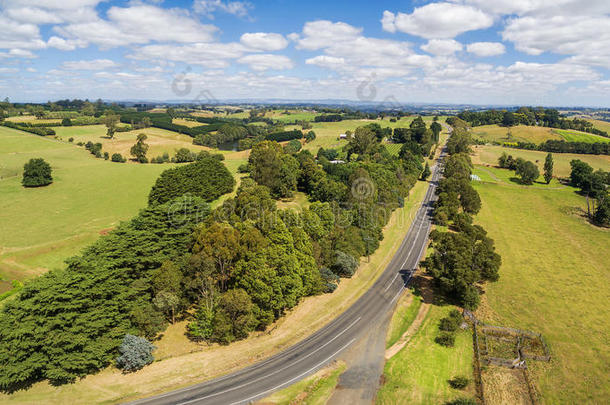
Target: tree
(345,265)
(36,173)
(508,119)
(310,136)
(426,173)
(602,214)
(528,172)
(39,112)
(271,167)
(436,129)
(363,143)
(219,242)
(548,168)
(66,122)
(580,172)
(111,121)
(136,352)
(140,148)
(167,302)
(234,318)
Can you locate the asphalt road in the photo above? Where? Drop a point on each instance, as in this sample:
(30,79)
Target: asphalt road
(306,357)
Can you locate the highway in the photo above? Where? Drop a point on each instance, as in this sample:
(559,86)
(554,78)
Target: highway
(316,351)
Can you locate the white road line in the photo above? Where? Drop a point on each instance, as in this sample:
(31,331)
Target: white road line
(276,371)
(295,378)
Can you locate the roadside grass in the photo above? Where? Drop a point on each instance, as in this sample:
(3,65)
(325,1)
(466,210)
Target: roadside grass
(406,310)
(314,390)
(181,369)
(489,154)
(553,280)
(419,373)
(577,136)
(523,133)
(43,226)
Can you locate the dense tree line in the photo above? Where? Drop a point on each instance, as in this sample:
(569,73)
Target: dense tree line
(37,130)
(546,117)
(465,256)
(328,118)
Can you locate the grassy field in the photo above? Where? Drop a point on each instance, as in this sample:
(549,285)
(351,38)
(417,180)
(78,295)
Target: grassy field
(554,280)
(182,362)
(577,136)
(520,133)
(159,140)
(419,373)
(488,155)
(43,226)
(32,119)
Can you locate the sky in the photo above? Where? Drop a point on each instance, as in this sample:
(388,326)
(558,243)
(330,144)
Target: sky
(502,52)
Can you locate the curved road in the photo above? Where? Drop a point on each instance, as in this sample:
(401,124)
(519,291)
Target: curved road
(316,351)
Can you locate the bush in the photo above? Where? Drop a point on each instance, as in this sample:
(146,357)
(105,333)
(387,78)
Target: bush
(117,157)
(71,139)
(36,173)
(345,265)
(106,155)
(243,168)
(459,382)
(446,339)
(136,352)
(66,122)
(452,322)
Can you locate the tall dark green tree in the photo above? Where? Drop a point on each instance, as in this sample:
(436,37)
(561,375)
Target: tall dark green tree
(548,168)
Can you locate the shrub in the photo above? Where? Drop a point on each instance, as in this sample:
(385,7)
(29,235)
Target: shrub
(136,352)
(459,382)
(117,157)
(446,339)
(66,122)
(106,156)
(36,173)
(345,265)
(452,322)
(243,168)
(70,139)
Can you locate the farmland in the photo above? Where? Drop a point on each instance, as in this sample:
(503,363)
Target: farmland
(553,281)
(532,134)
(489,154)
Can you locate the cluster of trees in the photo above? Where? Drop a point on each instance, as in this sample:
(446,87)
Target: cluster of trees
(207,178)
(225,134)
(464,256)
(448,326)
(70,323)
(594,185)
(37,173)
(528,171)
(328,118)
(546,117)
(561,146)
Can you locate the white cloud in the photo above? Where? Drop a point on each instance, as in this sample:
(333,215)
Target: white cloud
(260,62)
(486,48)
(209,7)
(139,25)
(587,38)
(323,33)
(264,41)
(65,45)
(210,55)
(438,20)
(97,64)
(324,61)
(542,7)
(387,21)
(442,47)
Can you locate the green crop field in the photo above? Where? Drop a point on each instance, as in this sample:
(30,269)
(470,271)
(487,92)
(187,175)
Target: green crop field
(553,280)
(43,226)
(489,154)
(577,136)
(418,374)
(519,133)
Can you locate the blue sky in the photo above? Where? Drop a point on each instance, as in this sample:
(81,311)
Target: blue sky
(534,52)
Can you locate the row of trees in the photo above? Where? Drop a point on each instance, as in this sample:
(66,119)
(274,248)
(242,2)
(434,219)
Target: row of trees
(528,171)
(546,117)
(465,256)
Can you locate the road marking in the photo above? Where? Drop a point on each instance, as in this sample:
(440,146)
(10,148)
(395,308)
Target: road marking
(295,378)
(276,371)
